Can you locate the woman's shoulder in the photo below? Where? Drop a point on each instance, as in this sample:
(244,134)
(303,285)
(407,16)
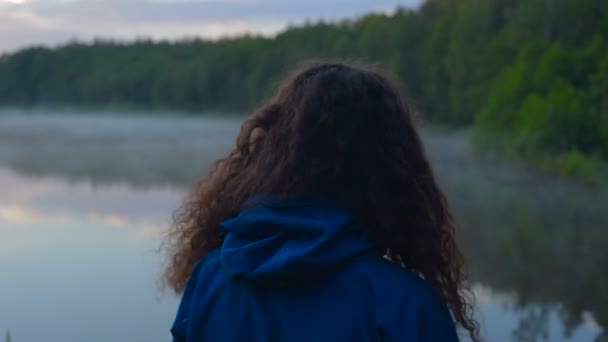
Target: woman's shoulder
(393,280)
(407,305)
(409,309)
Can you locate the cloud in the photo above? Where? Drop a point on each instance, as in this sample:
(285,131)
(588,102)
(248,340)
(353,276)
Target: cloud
(20,30)
(27,22)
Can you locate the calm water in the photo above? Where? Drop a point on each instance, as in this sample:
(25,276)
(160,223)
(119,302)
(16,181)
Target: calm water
(83,199)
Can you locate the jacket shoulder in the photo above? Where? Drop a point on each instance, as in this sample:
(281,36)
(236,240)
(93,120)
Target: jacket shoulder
(390,275)
(407,306)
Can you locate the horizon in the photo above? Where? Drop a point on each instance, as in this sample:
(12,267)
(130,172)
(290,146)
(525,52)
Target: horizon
(53,23)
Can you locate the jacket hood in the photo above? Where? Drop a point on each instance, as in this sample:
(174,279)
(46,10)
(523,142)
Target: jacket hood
(294,239)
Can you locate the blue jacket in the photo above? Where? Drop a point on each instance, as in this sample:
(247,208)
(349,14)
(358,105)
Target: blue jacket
(303,270)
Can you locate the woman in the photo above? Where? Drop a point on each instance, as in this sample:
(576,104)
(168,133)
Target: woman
(325,223)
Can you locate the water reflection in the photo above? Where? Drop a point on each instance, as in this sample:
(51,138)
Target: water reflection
(28,201)
(540,238)
(83,199)
(79,263)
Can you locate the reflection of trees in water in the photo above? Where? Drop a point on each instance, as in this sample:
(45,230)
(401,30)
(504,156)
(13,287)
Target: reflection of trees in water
(553,257)
(535,318)
(542,238)
(533,326)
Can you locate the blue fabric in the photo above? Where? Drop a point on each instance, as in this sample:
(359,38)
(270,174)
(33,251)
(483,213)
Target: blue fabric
(303,270)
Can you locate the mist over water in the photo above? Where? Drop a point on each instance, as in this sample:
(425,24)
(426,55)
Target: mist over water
(85,197)
(114,148)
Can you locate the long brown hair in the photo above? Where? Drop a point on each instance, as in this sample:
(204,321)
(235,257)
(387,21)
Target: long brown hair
(343,132)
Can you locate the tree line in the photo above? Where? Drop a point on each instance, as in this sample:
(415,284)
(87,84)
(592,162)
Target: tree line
(530,75)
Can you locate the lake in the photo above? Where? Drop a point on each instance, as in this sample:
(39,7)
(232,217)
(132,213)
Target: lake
(84,198)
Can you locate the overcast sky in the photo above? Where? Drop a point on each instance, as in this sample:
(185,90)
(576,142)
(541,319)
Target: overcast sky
(49,22)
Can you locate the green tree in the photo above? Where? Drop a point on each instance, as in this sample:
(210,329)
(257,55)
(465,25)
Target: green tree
(531,76)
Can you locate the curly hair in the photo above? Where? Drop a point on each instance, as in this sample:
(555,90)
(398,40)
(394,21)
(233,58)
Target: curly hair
(343,132)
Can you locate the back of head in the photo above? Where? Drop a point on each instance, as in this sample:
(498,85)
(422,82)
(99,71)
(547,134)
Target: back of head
(335,130)
(341,132)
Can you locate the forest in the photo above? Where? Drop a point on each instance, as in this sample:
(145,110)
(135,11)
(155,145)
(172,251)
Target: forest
(529,77)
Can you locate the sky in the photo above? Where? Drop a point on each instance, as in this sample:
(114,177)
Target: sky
(51,22)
